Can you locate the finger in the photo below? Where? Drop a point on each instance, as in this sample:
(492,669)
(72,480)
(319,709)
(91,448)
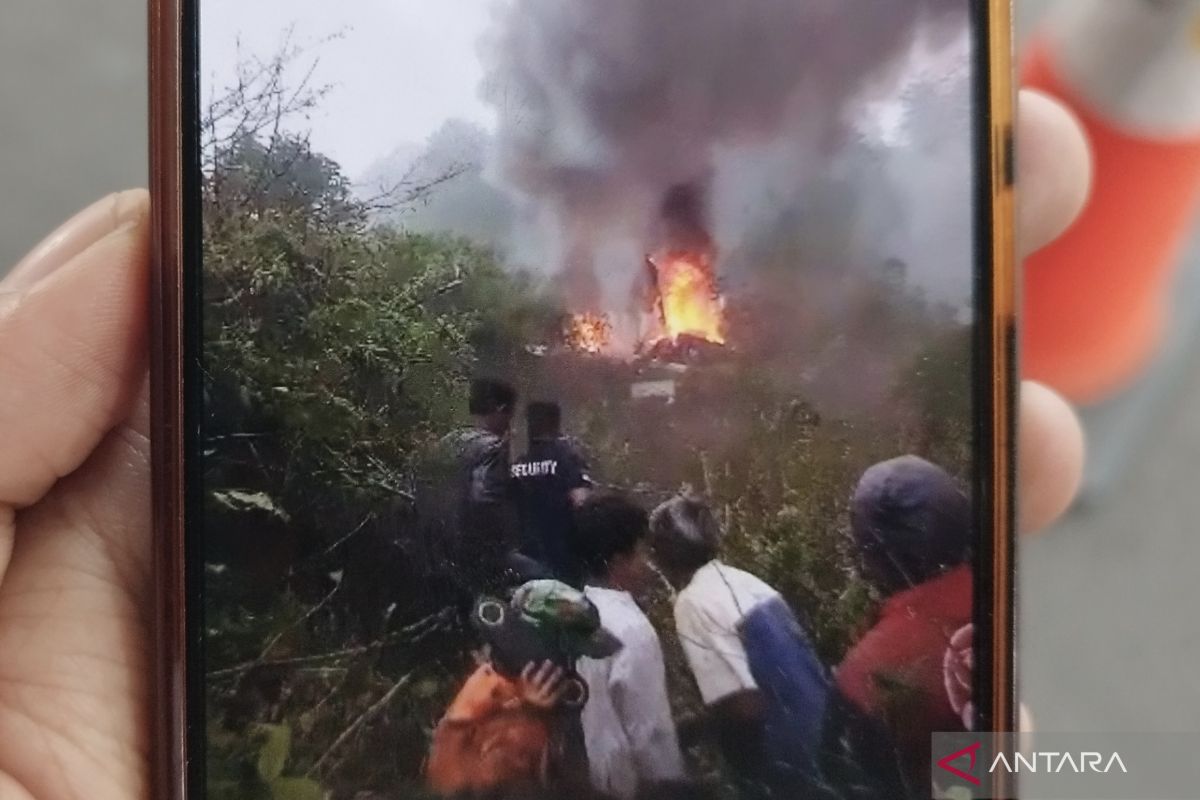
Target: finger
(74,236)
(1054,170)
(528,674)
(72,352)
(1051,452)
(544,673)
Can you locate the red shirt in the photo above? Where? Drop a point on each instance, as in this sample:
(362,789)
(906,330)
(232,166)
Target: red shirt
(896,671)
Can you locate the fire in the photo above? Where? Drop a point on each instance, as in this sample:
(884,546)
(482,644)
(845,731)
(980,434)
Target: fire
(688,302)
(588,332)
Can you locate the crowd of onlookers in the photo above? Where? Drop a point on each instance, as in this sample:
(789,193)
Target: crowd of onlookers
(569,698)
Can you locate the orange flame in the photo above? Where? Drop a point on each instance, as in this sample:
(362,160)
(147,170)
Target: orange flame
(688,300)
(588,332)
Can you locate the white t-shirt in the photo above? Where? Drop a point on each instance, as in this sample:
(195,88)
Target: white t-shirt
(627,724)
(707,614)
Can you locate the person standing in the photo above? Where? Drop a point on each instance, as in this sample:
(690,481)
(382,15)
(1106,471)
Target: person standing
(912,526)
(471,489)
(513,730)
(765,692)
(550,480)
(628,730)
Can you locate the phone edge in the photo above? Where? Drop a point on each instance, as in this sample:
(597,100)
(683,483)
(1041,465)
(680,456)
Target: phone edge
(169,756)
(1004,357)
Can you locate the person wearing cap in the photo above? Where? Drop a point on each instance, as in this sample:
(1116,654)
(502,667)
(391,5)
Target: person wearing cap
(765,692)
(514,725)
(632,747)
(912,526)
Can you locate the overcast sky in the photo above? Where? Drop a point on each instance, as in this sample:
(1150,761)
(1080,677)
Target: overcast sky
(398,71)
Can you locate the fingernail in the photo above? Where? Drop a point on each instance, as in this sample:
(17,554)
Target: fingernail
(74,236)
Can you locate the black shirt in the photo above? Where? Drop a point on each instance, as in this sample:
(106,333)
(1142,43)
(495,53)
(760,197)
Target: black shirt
(471,490)
(543,480)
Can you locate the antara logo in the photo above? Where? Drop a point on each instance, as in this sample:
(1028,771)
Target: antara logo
(1046,762)
(971,751)
(1054,762)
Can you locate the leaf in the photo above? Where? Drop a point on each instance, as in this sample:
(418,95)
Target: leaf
(274,753)
(296,789)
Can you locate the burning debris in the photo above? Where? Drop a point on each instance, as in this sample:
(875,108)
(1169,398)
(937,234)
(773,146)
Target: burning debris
(686,307)
(588,332)
(683,312)
(686,300)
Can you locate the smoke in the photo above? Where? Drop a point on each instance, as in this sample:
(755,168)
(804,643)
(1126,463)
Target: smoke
(614,113)
(684,218)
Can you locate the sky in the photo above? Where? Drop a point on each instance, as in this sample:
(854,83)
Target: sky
(397,71)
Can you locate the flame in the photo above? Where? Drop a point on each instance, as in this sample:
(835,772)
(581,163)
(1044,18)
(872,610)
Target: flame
(688,300)
(588,332)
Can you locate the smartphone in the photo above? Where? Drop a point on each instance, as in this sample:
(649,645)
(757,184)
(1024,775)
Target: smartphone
(578,398)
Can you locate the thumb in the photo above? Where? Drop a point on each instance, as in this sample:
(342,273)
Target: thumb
(72,345)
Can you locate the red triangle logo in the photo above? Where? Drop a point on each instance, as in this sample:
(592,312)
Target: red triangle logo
(948,765)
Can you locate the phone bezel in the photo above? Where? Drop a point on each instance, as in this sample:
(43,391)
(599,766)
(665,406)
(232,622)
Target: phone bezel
(175,360)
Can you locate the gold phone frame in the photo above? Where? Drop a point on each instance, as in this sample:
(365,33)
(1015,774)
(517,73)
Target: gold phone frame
(170,32)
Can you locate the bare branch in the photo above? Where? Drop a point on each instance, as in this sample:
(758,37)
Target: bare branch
(409,191)
(359,721)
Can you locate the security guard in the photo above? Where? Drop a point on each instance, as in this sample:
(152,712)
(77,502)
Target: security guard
(550,480)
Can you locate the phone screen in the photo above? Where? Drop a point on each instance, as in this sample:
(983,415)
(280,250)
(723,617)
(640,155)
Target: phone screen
(593,397)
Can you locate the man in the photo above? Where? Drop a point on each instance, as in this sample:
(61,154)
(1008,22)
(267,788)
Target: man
(912,526)
(474,481)
(513,728)
(764,690)
(550,481)
(632,747)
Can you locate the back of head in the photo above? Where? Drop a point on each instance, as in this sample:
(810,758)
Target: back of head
(544,419)
(684,534)
(911,523)
(489,396)
(607,525)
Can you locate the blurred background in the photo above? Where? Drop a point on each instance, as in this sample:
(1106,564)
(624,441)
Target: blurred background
(1107,640)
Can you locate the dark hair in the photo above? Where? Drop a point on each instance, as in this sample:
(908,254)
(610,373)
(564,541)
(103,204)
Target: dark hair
(911,523)
(543,417)
(607,524)
(489,395)
(684,534)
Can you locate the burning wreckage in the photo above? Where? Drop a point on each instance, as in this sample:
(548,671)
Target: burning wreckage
(682,322)
(684,325)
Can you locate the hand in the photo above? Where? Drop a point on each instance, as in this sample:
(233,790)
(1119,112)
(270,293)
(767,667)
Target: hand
(542,686)
(75,599)
(958,671)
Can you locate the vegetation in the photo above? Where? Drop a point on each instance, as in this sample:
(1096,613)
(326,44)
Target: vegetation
(337,354)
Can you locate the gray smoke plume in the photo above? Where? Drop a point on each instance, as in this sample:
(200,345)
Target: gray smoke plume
(608,106)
